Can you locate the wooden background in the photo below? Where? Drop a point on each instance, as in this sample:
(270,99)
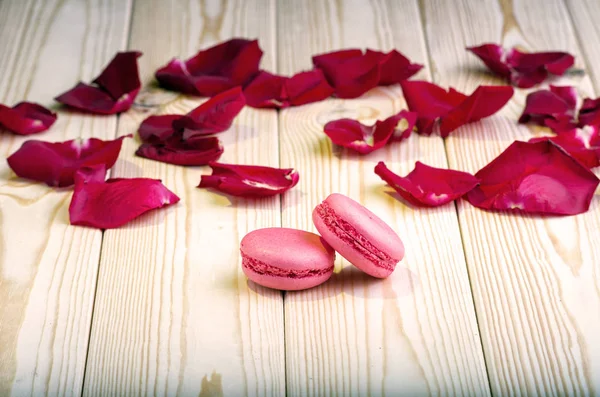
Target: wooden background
(484,303)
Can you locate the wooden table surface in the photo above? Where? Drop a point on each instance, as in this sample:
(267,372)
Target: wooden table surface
(484,303)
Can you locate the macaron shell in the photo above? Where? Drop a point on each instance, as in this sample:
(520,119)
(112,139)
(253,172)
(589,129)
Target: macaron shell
(369,225)
(348,251)
(286,284)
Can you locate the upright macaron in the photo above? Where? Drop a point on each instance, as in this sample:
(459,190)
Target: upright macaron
(286,259)
(358,235)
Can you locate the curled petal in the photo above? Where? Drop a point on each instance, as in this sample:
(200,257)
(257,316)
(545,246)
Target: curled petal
(582,144)
(554,108)
(537,178)
(249,180)
(589,114)
(199,151)
(213,70)
(307,87)
(114,90)
(428,186)
(365,139)
(266,90)
(26,118)
(55,164)
(158,128)
(111,204)
(395,67)
(493,56)
(350,72)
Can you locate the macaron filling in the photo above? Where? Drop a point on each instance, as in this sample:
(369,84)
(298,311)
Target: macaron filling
(260,267)
(347,233)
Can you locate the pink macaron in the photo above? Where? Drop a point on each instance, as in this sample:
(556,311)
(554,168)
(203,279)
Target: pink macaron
(358,235)
(286,259)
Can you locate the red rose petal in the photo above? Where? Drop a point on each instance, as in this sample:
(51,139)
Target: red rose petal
(56,163)
(365,139)
(451,107)
(307,87)
(350,72)
(26,118)
(110,204)
(589,114)
(428,186)
(249,180)
(266,90)
(554,108)
(536,178)
(214,70)
(582,144)
(175,151)
(115,90)
(523,69)
(395,67)
(158,128)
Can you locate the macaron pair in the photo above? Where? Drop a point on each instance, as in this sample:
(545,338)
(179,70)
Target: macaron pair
(291,259)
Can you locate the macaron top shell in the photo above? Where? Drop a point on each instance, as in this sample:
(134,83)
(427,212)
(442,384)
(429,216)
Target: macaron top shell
(367,224)
(289,249)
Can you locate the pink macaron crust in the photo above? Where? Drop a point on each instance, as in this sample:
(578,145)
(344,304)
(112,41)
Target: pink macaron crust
(286,259)
(358,235)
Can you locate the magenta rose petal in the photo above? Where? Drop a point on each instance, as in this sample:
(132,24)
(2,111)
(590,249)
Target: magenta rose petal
(115,202)
(158,128)
(582,144)
(26,118)
(193,152)
(114,91)
(538,178)
(249,180)
(554,108)
(589,114)
(307,87)
(55,163)
(266,90)
(213,70)
(350,72)
(395,67)
(428,186)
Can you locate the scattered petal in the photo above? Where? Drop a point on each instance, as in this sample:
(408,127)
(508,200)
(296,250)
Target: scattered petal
(395,67)
(180,152)
(213,70)
(158,128)
(583,144)
(350,72)
(365,139)
(535,178)
(451,107)
(26,118)
(111,204)
(553,108)
(589,114)
(114,90)
(523,69)
(266,90)
(307,87)
(428,186)
(249,180)
(55,163)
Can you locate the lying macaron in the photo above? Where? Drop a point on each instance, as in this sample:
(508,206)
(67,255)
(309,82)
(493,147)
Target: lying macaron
(286,259)
(358,235)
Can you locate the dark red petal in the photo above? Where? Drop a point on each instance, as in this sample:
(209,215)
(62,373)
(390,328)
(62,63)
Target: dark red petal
(266,90)
(365,139)
(213,70)
(249,180)
(213,116)
(56,163)
(428,100)
(395,67)
(428,186)
(307,87)
(26,118)
(158,128)
(404,125)
(554,108)
(175,151)
(554,62)
(582,144)
(110,204)
(536,178)
(117,87)
(589,114)
(492,56)
(350,72)
(483,102)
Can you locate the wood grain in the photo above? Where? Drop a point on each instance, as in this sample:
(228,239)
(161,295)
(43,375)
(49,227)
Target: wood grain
(174,314)
(535,280)
(414,333)
(47,268)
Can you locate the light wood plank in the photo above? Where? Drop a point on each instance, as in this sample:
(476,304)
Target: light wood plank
(414,333)
(174,313)
(536,281)
(47,268)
